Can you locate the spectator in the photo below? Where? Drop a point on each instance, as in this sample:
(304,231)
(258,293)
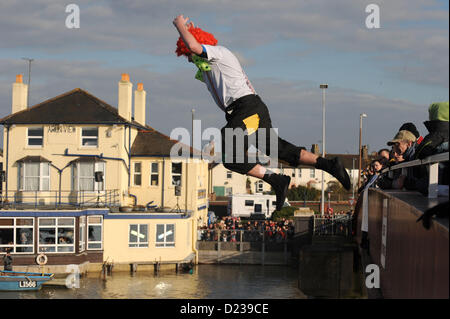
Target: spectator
(410,127)
(384,153)
(403,144)
(437,125)
(7,261)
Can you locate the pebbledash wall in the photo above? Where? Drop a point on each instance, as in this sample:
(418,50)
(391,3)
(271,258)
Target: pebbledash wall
(51,154)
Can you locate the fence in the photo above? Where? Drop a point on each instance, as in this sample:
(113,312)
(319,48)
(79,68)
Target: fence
(340,225)
(59,199)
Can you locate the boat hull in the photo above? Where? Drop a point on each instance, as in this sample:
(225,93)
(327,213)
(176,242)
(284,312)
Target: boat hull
(22,281)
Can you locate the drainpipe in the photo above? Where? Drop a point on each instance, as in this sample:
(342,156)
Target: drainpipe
(194,238)
(163,179)
(7,156)
(129,156)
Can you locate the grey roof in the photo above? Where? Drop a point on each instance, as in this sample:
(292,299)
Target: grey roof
(73,107)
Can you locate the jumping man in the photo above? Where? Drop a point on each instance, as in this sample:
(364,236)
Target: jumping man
(233,93)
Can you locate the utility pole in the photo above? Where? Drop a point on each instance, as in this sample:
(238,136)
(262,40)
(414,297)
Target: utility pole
(323,87)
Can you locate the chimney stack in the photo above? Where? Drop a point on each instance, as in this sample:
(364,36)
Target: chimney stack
(139,104)
(315,149)
(19,95)
(124,97)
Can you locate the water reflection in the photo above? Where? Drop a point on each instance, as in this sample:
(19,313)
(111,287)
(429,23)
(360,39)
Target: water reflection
(206,282)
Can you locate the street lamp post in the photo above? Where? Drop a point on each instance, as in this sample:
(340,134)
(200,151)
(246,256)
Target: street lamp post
(360,137)
(323,87)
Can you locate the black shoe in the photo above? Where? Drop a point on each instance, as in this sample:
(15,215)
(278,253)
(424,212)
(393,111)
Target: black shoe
(338,170)
(280,185)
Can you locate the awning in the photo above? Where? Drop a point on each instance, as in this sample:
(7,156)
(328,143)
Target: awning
(33,159)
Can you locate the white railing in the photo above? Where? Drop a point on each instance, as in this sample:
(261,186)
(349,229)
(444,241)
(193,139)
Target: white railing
(433,164)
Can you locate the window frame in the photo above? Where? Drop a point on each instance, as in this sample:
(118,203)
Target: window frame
(89,137)
(165,244)
(14,227)
(312,173)
(98,166)
(56,227)
(22,176)
(137,174)
(259,187)
(94,242)
(172,174)
(152,173)
(82,233)
(35,137)
(138,243)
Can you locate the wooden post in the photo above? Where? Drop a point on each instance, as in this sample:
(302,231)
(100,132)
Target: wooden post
(263,248)
(218,247)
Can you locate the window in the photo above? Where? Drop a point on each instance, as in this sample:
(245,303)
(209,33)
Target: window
(176,174)
(82,234)
(138,236)
(258,208)
(259,186)
(165,235)
(57,235)
(95,232)
(229,174)
(300,173)
(83,173)
(34,176)
(137,174)
(312,173)
(154,174)
(89,136)
(249,203)
(35,136)
(228,191)
(17,235)
(293,173)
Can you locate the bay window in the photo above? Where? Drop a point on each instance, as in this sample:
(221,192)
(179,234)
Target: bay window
(83,175)
(34,176)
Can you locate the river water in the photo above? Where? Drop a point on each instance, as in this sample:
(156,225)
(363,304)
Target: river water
(205,282)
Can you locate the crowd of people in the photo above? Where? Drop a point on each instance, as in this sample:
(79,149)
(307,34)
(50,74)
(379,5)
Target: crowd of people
(407,145)
(232,228)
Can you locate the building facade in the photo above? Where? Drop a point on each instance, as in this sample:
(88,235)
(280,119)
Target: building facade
(85,181)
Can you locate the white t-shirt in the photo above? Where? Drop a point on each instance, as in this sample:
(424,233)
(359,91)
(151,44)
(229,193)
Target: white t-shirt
(226,79)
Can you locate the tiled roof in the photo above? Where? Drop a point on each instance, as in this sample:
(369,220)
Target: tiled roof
(73,107)
(150,142)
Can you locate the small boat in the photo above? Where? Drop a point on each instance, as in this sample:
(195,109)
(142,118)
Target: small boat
(18,280)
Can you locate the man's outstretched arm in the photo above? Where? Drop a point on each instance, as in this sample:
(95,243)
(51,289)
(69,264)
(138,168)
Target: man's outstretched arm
(180,23)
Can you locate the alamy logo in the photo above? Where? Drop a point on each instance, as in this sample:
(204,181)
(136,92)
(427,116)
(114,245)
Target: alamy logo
(235,140)
(373,19)
(73,279)
(373,277)
(73,19)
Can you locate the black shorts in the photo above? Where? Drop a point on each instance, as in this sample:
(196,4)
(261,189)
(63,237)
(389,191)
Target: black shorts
(250,114)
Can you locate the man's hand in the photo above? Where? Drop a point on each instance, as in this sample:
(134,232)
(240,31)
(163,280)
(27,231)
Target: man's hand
(182,25)
(182,22)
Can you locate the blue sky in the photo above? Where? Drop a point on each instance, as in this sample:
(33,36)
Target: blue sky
(287,49)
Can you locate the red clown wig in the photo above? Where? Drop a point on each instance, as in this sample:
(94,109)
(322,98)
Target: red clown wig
(201,36)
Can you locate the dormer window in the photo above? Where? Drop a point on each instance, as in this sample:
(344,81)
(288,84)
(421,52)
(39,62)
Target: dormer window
(35,136)
(89,136)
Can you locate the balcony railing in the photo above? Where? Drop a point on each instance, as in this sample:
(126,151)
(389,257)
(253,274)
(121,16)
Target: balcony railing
(59,199)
